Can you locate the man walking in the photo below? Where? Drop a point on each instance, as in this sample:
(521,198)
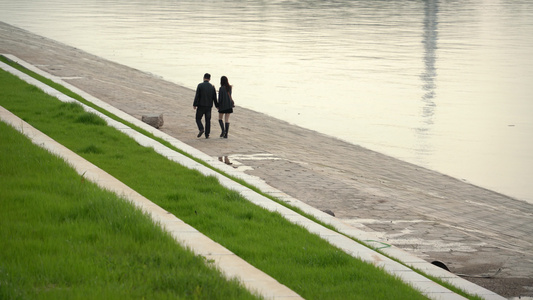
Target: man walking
(205,96)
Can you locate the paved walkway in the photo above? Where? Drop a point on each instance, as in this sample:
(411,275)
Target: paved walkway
(474,231)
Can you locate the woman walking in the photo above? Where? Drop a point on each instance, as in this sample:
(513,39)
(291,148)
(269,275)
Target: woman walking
(225,105)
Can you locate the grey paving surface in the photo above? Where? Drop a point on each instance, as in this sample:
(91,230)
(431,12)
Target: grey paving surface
(474,231)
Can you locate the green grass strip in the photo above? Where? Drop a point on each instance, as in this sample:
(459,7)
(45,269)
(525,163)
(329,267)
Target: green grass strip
(302,261)
(75,96)
(64,238)
(95,150)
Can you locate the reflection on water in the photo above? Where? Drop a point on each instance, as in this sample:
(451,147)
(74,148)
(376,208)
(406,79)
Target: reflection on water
(430,57)
(430,37)
(364,71)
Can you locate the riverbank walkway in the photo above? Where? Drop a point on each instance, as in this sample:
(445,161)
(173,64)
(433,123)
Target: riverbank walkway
(474,231)
(226,261)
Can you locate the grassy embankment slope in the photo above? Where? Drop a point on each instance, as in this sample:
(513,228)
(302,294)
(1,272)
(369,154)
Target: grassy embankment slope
(298,259)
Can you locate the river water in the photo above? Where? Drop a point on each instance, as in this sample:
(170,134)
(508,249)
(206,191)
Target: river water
(446,85)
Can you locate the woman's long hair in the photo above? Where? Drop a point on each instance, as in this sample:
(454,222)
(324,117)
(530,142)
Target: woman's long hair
(225,83)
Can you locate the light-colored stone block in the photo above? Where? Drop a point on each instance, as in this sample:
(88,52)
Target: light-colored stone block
(153,120)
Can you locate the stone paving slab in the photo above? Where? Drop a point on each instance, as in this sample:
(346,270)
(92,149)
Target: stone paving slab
(430,215)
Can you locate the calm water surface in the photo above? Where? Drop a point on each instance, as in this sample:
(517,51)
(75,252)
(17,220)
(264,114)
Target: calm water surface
(446,85)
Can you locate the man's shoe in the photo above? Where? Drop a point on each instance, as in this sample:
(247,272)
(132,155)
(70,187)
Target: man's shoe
(200,133)
(207,136)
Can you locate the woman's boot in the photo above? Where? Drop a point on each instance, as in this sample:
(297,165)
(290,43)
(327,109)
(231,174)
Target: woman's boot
(222,127)
(226,132)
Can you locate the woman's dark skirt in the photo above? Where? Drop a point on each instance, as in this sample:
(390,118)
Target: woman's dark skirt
(226,111)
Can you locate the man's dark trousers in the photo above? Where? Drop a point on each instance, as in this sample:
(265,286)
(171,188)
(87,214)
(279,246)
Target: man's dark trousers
(200,112)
